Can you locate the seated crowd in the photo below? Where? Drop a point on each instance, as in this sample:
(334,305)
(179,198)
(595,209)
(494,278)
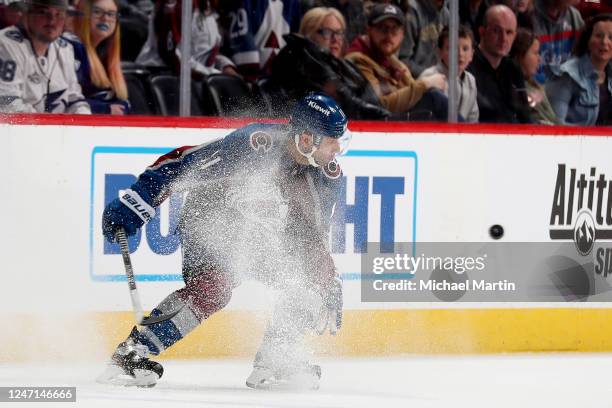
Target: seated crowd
(519,61)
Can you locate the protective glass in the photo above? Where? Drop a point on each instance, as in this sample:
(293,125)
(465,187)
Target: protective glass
(345,141)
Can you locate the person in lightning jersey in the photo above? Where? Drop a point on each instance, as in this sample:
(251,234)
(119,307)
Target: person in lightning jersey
(37,67)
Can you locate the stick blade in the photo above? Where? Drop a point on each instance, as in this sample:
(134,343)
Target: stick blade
(149,320)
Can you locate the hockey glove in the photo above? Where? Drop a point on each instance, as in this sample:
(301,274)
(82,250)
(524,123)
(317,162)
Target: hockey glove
(129,211)
(331,316)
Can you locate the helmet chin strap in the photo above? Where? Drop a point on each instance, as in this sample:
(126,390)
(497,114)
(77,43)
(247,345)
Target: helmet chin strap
(308,156)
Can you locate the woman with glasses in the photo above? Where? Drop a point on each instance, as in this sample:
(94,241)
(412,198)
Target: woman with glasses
(97,50)
(312,61)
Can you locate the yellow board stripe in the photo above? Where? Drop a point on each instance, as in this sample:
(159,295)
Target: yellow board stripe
(365,333)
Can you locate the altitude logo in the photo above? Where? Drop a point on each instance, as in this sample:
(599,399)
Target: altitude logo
(582,211)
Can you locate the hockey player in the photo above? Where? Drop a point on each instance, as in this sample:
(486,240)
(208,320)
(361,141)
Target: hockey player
(259,205)
(37,68)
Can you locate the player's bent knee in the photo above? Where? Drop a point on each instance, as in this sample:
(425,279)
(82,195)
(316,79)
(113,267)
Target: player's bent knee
(207,293)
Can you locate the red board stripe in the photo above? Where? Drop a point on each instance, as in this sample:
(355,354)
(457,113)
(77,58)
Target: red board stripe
(359,126)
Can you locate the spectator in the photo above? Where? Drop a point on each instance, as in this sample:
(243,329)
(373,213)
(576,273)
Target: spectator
(11,12)
(97,50)
(466,83)
(525,14)
(253,32)
(134,24)
(353,13)
(162,48)
(526,54)
(471,14)
(72,14)
(425,20)
(580,93)
(38,72)
(501,88)
(312,62)
(557,25)
(375,56)
(590,8)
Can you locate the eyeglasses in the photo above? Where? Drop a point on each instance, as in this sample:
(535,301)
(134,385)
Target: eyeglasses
(97,12)
(328,33)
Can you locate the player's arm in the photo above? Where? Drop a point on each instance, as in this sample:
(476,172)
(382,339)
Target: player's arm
(12,74)
(176,171)
(334,295)
(329,280)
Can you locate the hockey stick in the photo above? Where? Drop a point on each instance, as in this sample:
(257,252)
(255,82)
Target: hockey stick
(129,272)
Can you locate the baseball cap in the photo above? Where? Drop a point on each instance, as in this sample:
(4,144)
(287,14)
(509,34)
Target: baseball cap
(48,3)
(15,4)
(382,12)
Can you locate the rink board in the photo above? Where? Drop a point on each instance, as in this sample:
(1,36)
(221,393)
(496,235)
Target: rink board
(445,183)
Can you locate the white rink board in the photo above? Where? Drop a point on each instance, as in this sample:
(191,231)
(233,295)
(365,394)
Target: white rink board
(464,183)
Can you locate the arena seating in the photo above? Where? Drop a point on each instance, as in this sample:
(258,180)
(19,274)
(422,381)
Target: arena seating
(166,95)
(155,91)
(232,96)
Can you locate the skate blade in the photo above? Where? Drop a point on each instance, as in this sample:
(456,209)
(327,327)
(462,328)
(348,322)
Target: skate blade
(297,382)
(114,375)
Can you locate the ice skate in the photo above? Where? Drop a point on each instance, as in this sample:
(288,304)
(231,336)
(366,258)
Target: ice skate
(306,377)
(129,366)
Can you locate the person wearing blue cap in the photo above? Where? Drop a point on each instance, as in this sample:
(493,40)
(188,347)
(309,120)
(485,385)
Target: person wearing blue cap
(259,205)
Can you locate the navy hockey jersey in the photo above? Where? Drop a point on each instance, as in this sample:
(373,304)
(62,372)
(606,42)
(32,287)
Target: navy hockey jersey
(247,186)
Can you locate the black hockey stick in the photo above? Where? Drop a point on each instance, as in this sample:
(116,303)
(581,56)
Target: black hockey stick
(129,272)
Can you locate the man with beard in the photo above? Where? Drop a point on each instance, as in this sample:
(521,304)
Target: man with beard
(37,72)
(374,54)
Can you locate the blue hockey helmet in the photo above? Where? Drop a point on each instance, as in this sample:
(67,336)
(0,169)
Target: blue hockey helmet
(320,115)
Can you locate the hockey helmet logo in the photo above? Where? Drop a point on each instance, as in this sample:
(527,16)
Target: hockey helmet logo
(332,170)
(319,108)
(260,141)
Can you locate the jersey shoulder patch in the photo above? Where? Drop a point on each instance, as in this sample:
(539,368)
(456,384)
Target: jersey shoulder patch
(70,37)
(62,42)
(332,170)
(14,35)
(260,141)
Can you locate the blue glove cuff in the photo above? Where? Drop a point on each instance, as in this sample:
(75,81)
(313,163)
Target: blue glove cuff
(132,200)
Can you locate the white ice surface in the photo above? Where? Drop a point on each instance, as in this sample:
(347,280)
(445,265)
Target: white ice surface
(529,380)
